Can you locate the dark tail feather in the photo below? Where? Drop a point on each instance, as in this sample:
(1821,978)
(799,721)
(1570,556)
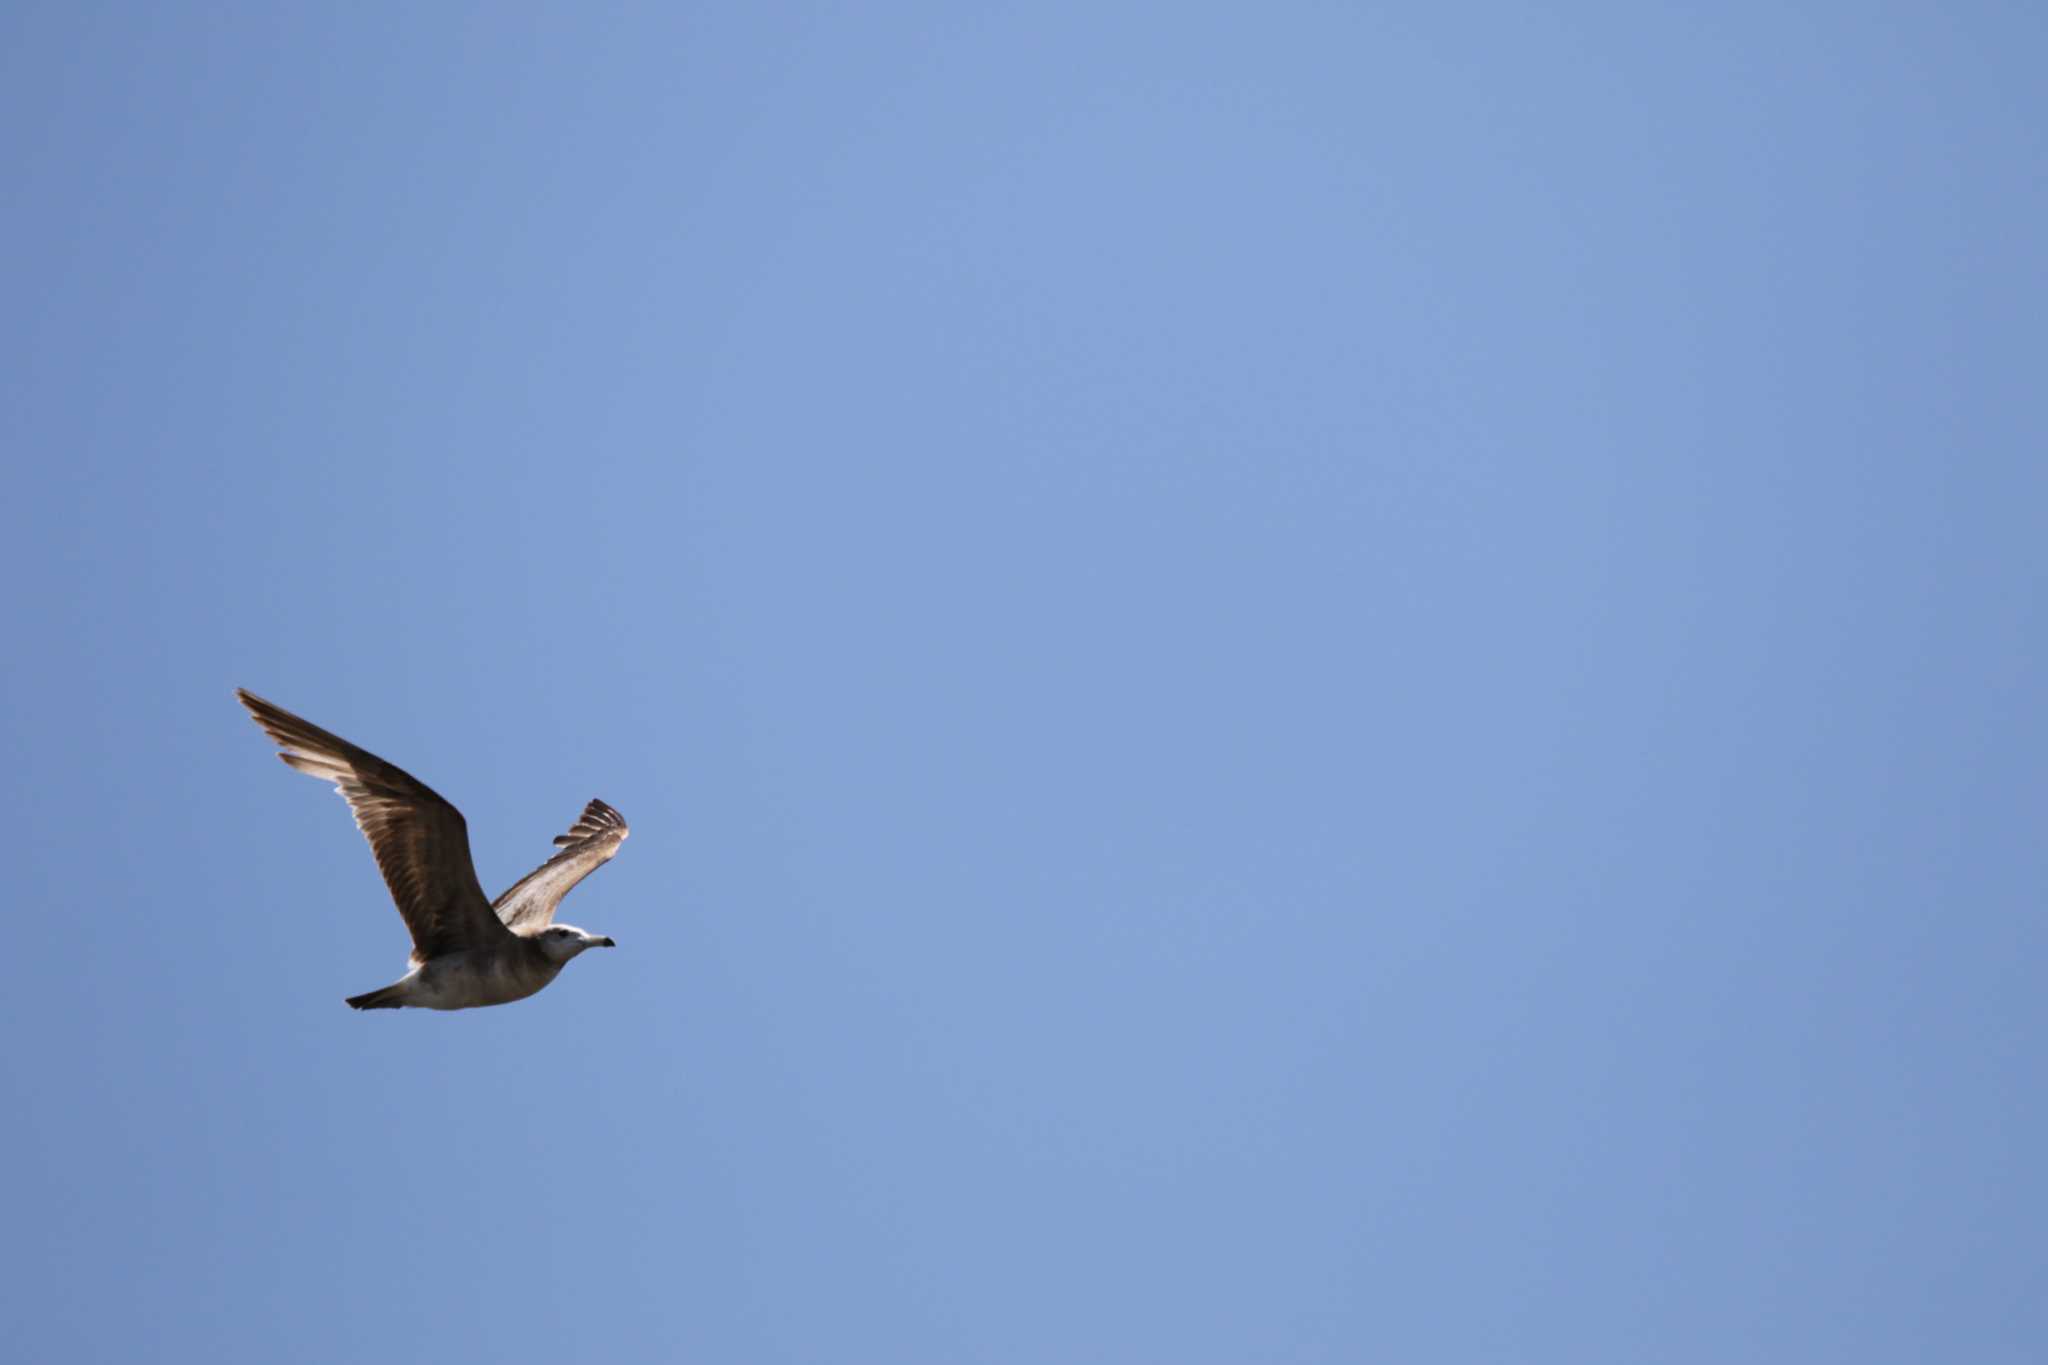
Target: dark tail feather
(385,999)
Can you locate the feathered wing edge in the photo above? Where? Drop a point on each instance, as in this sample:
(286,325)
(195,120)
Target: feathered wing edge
(530,903)
(421,842)
(597,819)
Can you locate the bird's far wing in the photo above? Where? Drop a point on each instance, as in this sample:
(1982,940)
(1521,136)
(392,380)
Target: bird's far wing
(588,845)
(421,842)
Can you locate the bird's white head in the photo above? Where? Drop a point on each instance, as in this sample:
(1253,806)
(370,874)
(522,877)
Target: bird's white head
(563,941)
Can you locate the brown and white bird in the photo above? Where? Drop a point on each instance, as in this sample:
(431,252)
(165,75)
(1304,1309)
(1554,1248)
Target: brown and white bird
(466,951)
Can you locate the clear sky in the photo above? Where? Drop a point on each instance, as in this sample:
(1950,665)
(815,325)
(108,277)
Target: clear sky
(1295,682)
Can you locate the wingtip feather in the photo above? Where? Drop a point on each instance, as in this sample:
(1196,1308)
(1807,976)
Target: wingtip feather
(315,767)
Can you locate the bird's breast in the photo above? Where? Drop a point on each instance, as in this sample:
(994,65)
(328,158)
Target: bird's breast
(463,981)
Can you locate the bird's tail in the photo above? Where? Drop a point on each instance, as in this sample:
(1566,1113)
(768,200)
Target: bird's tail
(386,999)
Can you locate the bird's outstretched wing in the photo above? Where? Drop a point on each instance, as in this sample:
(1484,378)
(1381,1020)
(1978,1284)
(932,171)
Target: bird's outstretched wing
(421,842)
(588,845)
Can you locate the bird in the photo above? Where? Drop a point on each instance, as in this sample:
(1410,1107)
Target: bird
(466,951)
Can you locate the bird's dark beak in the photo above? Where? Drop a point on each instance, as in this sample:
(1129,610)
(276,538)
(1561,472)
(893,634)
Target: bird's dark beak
(606,943)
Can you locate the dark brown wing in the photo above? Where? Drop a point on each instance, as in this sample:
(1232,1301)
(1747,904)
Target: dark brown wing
(421,842)
(588,845)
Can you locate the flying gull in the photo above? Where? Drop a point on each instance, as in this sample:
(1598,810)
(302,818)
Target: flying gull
(466,951)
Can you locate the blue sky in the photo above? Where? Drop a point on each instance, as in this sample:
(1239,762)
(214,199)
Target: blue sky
(1313,683)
